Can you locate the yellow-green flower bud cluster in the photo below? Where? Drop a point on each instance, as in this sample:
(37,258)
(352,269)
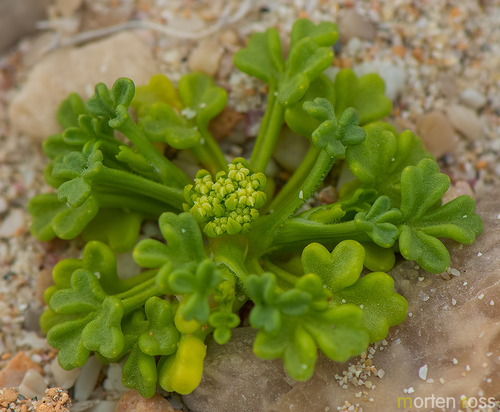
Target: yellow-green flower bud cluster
(230,203)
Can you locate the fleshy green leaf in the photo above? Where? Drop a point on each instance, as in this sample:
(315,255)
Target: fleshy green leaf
(305,62)
(69,111)
(378,259)
(81,170)
(333,136)
(85,294)
(181,372)
(66,337)
(295,116)
(117,228)
(114,103)
(378,162)
(104,333)
(161,337)
(184,243)
(262,291)
(337,331)
(161,123)
(223,322)
(139,373)
(52,218)
(340,268)
(364,94)
(201,99)
(308,57)
(422,187)
(324,34)
(382,307)
(379,222)
(159,89)
(196,289)
(137,162)
(100,260)
(54,146)
(262,57)
(341,273)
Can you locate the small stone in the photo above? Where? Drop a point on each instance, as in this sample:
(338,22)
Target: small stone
(290,149)
(131,401)
(18,19)
(33,385)
(394,76)
(67,8)
(328,195)
(104,406)
(229,37)
(13,374)
(4,205)
(223,124)
(63,378)
(12,224)
(55,400)
(87,379)
(472,98)
(465,121)
(206,57)
(77,69)
(113,381)
(437,133)
(353,25)
(8,395)
(43,281)
(104,13)
(422,372)
(460,188)
(32,318)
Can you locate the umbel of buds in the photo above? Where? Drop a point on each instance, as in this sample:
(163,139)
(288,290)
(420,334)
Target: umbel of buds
(229,203)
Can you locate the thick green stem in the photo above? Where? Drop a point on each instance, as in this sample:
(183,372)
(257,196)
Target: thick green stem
(265,229)
(230,251)
(293,184)
(130,182)
(130,283)
(168,172)
(298,233)
(136,297)
(140,204)
(283,275)
(208,152)
(268,134)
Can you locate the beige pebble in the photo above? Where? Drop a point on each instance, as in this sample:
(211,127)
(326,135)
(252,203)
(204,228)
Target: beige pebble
(12,224)
(62,72)
(13,374)
(353,25)
(33,385)
(43,281)
(229,37)
(206,57)
(465,121)
(436,133)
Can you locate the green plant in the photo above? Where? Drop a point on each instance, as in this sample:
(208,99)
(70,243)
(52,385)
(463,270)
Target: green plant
(227,233)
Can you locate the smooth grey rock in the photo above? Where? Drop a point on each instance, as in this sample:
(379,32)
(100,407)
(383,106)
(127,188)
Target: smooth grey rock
(452,333)
(18,18)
